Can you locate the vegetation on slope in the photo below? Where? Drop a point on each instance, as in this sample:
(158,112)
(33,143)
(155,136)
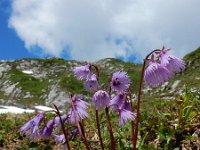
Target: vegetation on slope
(163,125)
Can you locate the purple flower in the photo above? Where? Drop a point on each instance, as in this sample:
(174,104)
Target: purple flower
(172,63)
(57,121)
(120,81)
(77,111)
(76,115)
(120,105)
(156,74)
(78,101)
(82,72)
(31,128)
(125,113)
(91,83)
(47,130)
(117,101)
(60,139)
(101,99)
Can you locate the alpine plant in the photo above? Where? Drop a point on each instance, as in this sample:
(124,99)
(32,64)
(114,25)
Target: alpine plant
(78,108)
(161,67)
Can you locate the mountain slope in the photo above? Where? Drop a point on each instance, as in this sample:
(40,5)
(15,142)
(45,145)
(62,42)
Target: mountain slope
(45,81)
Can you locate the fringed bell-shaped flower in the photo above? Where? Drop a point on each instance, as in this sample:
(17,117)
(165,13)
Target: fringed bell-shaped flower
(77,111)
(120,81)
(120,105)
(57,121)
(117,101)
(156,74)
(172,63)
(47,130)
(31,128)
(91,83)
(82,72)
(101,99)
(125,113)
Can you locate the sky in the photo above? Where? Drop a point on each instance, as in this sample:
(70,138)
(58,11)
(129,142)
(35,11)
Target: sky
(89,30)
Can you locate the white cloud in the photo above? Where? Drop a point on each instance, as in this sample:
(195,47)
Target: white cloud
(89,29)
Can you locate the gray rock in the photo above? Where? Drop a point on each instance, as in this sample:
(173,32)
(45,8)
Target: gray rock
(57,96)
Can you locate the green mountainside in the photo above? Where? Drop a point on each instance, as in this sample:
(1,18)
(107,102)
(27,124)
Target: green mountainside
(46,81)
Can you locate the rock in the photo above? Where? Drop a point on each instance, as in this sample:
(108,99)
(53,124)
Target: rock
(8,87)
(28,95)
(3,68)
(57,96)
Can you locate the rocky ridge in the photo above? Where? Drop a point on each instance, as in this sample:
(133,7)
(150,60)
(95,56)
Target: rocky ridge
(45,81)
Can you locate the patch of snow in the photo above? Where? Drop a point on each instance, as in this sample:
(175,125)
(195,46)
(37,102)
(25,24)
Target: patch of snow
(43,108)
(14,110)
(27,71)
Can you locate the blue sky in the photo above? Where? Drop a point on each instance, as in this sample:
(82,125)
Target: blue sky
(11,47)
(127,30)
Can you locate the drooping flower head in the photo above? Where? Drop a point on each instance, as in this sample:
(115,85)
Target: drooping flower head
(47,130)
(31,128)
(91,83)
(120,81)
(125,113)
(82,72)
(172,63)
(117,101)
(120,105)
(156,74)
(77,111)
(57,121)
(101,99)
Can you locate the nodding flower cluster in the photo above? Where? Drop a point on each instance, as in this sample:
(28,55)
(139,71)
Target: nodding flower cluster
(162,68)
(119,84)
(159,70)
(76,113)
(31,128)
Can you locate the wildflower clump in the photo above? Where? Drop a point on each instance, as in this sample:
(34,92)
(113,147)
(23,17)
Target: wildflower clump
(162,68)
(113,96)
